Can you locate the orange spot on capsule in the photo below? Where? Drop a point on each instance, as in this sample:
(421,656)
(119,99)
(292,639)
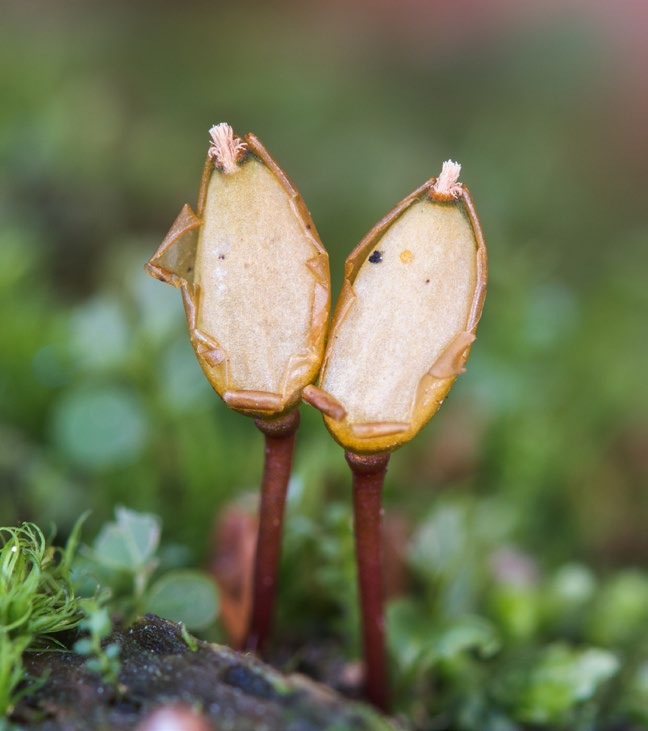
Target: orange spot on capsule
(406,256)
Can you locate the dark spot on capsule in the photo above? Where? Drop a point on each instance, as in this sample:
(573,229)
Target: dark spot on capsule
(189,269)
(427,281)
(376,257)
(308,226)
(221,256)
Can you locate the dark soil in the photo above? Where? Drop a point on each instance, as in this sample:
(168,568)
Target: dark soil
(233,691)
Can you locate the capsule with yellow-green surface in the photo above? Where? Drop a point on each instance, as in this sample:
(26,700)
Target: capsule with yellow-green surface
(405,320)
(254,278)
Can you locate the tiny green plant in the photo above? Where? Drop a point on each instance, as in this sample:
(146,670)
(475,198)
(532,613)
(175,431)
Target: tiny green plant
(45,591)
(124,561)
(12,673)
(37,601)
(102,658)
(190,640)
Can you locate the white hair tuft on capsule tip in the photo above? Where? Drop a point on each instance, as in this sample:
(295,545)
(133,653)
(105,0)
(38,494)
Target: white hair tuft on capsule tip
(447,182)
(225,149)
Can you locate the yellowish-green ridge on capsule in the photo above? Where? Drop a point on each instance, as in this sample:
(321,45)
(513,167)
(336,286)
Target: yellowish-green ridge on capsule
(254,278)
(405,320)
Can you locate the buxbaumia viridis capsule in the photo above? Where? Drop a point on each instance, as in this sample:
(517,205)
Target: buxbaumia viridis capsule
(255,283)
(405,321)
(254,278)
(402,330)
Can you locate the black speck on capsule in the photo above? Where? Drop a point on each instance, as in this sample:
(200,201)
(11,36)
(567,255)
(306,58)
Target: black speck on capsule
(221,256)
(376,257)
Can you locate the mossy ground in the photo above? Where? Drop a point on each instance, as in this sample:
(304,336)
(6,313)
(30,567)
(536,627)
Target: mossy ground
(234,691)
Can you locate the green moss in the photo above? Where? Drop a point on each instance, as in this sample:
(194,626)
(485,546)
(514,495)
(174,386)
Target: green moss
(37,600)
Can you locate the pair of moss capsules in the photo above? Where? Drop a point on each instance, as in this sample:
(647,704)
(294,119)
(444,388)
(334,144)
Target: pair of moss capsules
(255,283)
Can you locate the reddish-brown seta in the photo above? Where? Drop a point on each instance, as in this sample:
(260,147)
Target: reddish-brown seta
(368,478)
(279,447)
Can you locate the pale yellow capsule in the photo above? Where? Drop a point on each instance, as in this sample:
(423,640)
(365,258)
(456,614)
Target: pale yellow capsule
(254,278)
(405,320)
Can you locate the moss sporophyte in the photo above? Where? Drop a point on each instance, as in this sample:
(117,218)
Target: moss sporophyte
(254,278)
(405,320)
(255,284)
(402,330)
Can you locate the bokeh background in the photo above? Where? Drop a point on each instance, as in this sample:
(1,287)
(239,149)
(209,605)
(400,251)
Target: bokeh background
(104,112)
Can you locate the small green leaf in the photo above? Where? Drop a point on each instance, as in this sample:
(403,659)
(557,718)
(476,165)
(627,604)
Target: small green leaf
(130,543)
(111,549)
(190,640)
(416,640)
(94,665)
(184,596)
(562,679)
(83,646)
(407,627)
(142,531)
(636,693)
(516,609)
(72,545)
(468,633)
(620,608)
(112,651)
(98,623)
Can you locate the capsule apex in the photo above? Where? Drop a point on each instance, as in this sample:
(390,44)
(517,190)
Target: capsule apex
(447,183)
(225,149)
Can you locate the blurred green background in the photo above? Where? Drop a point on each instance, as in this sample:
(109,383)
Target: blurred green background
(104,112)
(526,498)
